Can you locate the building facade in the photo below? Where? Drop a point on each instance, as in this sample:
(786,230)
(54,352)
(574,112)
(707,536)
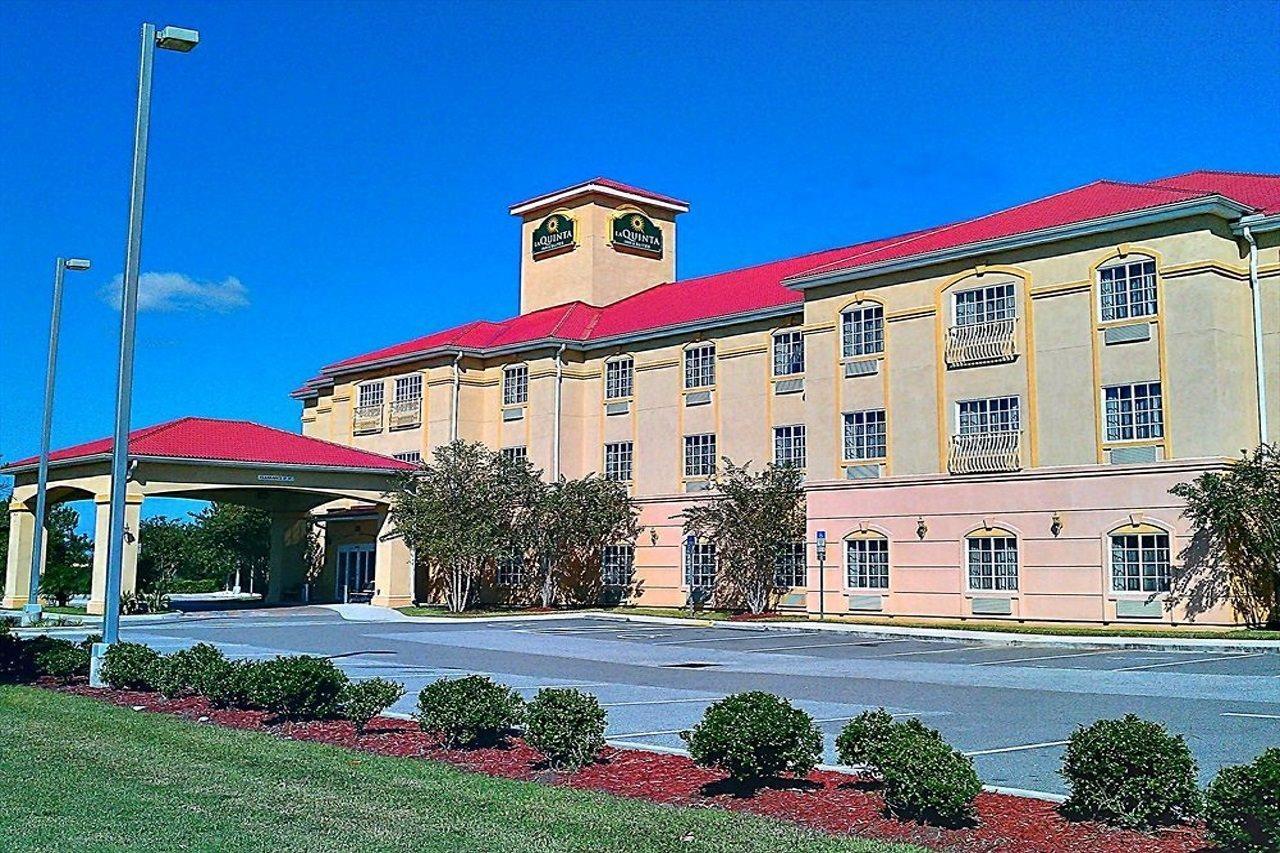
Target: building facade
(989,414)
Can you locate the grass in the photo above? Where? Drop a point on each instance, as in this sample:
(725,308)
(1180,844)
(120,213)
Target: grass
(69,610)
(96,777)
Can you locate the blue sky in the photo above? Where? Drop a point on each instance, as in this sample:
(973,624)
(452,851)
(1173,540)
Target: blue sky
(329,178)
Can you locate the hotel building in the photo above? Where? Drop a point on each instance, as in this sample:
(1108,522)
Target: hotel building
(989,414)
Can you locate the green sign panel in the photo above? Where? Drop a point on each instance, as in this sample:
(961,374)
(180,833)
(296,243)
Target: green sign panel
(635,232)
(553,235)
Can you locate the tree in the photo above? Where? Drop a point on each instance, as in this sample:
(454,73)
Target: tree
(168,550)
(1234,553)
(576,519)
(462,512)
(234,542)
(67,567)
(751,518)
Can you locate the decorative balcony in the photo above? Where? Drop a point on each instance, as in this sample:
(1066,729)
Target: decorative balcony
(405,413)
(984,453)
(366,419)
(982,343)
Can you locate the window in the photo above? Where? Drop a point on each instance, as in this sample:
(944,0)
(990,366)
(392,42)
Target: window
(788,353)
(512,570)
(1140,562)
(789,567)
(700,366)
(617,461)
(1133,412)
(1127,290)
(616,564)
(617,378)
(515,385)
(700,455)
(993,562)
(862,331)
(371,394)
(700,566)
(864,435)
(985,305)
(788,446)
(514,453)
(983,417)
(408,388)
(409,456)
(867,563)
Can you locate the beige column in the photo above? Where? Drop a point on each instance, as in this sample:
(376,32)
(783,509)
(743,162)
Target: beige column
(392,569)
(287,572)
(101,538)
(22,529)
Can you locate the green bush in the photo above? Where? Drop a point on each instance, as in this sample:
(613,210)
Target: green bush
(1242,806)
(1129,772)
(194,586)
(189,671)
(469,711)
(361,701)
(60,659)
(753,736)
(17,662)
(566,726)
(232,684)
(925,779)
(298,687)
(131,666)
(862,737)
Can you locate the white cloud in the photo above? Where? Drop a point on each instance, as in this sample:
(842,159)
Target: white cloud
(173,291)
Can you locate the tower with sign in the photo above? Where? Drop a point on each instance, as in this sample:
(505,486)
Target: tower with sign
(595,242)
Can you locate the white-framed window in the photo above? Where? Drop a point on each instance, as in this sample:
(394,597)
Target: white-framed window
(514,453)
(515,385)
(865,436)
(408,456)
(790,567)
(617,564)
(370,394)
(617,461)
(700,566)
(513,570)
(700,455)
(985,304)
(618,377)
(1133,412)
(789,446)
(408,388)
(862,331)
(987,415)
(1127,290)
(788,353)
(992,562)
(700,366)
(1140,562)
(867,563)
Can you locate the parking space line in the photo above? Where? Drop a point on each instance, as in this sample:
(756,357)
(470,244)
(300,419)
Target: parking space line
(814,646)
(660,702)
(1193,660)
(938,651)
(553,686)
(1251,716)
(644,734)
(1043,657)
(1004,749)
(753,635)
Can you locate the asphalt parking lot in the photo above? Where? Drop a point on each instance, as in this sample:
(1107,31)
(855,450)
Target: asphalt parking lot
(1010,707)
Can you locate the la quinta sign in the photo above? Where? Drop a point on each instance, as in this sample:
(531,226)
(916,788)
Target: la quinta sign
(553,235)
(635,232)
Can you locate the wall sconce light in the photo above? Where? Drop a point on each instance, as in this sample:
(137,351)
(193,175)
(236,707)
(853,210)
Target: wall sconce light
(922,529)
(653,536)
(1055,526)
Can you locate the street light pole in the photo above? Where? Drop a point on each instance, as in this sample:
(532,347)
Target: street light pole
(181,40)
(31,612)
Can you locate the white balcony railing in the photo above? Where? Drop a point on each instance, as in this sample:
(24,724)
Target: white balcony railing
(405,413)
(367,419)
(982,343)
(985,453)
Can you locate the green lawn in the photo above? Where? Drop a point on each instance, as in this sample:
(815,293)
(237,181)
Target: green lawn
(76,774)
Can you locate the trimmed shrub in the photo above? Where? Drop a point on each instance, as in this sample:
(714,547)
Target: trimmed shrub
(131,666)
(1242,806)
(297,687)
(755,735)
(189,671)
(469,711)
(232,684)
(17,658)
(1130,772)
(60,659)
(361,701)
(566,726)
(925,779)
(862,737)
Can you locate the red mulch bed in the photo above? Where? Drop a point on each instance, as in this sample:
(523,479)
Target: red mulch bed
(834,802)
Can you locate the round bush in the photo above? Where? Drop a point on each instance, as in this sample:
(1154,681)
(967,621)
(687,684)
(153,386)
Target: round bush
(231,684)
(862,737)
(1130,772)
(17,658)
(1242,806)
(469,711)
(924,778)
(361,701)
(60,659)
(298,687)
(131,666)
(754,735)
(566,726)
(188,671)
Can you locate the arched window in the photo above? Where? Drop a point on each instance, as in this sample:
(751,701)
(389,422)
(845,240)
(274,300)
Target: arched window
(1127,289)
(515,385)
(862,330)
(619,375)
(867,561)
(991,557)
(700,366)
(1140,559)
(790,567)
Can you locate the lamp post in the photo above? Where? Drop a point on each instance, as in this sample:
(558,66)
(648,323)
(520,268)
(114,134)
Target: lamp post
(31,613)
(183,41)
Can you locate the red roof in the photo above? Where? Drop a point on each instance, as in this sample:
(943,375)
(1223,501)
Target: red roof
(212,439)
(765,286)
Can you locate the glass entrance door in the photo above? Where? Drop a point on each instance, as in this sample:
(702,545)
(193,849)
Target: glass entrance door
(355,572)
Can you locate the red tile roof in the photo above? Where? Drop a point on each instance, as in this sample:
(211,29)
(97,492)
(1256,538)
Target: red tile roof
(212,439)
(765,286)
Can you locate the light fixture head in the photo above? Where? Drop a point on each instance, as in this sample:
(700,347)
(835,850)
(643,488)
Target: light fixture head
(76,263)
(180,39)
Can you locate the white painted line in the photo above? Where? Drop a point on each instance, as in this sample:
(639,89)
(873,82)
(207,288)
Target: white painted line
(1252,716)
(1018,748)
(660,702)
(935,651)
(552,686)
(646,734)
(813,646)
(752,635)
(1044,657)
(1193,660)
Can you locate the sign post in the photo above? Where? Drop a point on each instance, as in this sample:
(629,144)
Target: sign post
(822,574)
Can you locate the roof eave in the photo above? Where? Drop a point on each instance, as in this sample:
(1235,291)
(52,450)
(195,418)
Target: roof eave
(1257,224)
(553,198)
(20,468)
